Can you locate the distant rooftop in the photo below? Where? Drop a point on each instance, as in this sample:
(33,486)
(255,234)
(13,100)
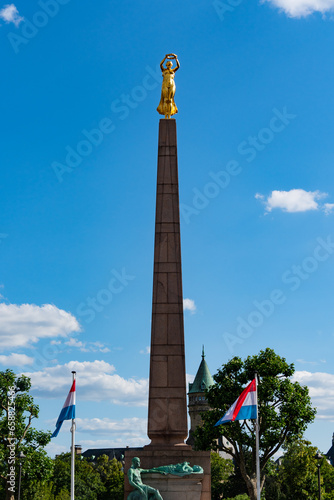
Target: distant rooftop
(203,379)
(330,452)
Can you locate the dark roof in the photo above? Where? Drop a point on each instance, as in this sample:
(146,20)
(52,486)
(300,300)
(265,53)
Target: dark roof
(203,379)
(117,453)
(330,452)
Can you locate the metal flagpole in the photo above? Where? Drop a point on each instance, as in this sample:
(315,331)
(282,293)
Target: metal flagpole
(258,481)
(72,450)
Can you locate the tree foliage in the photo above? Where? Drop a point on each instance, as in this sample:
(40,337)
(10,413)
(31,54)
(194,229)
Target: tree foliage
(112,477)
(88,484)
(221,471)
(17,411)
(297,475)
(100,480)
(42,477)
(284,412)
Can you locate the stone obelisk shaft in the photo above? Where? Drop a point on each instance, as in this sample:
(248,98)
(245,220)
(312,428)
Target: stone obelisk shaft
(167,414)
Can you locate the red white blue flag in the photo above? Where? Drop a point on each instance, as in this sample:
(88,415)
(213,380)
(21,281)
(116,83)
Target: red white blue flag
(245,407)
(68,410)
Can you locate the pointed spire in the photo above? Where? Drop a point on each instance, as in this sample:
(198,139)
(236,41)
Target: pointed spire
(203,379)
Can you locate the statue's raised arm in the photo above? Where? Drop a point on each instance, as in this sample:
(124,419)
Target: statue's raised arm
(176,60)
(167,106)
(162,63)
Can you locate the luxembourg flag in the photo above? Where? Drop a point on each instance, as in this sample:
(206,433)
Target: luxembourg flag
(68,411)
(245,407)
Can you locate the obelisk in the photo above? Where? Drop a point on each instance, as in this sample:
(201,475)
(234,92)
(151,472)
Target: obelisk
(167,412)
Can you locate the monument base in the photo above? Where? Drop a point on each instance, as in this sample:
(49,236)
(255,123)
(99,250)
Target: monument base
(192,487)
(172,487)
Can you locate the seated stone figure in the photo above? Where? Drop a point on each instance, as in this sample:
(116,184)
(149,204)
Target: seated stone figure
(142,491)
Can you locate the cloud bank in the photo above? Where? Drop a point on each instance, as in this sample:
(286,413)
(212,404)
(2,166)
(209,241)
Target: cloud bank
(321,389)
(134,427)
(10,14)
(295,200)
(16,360)
(302,8)
(24,325)
(96,382)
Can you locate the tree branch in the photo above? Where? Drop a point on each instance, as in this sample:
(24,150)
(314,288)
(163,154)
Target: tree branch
(274,450)
(26,429)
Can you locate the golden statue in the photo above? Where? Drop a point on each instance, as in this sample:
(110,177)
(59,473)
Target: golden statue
(167,105)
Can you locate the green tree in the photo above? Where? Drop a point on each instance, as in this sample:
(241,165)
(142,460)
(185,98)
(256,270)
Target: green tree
(284,412)
(112,477)
(221,470)
(298,473)
(88,483)
(17,411)
(40,490)
(239,497)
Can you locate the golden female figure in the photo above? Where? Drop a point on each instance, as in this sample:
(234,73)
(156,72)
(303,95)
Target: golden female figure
(167,105)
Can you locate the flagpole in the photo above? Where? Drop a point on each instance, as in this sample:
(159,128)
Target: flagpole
(258,480)
(73,449)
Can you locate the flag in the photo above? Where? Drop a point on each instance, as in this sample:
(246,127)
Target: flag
(68,410)
(245,407)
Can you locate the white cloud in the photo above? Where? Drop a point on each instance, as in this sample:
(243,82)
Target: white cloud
(10,14)
(328,207)
(16,360)
(189,379)
(135,427)
(118,433)
(302,8)
(53,448)
(120,441)
(87,346)
(295,200)
(97,347)
(104,349)
(74,343)
(321,389)
(96,381)
(189,305)
(24,325)
(304,362)
(147,350)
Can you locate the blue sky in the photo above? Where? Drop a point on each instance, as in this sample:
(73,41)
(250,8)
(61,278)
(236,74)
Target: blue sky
(80,87)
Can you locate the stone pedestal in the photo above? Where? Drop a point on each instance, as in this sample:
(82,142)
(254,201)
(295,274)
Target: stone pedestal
(170,486)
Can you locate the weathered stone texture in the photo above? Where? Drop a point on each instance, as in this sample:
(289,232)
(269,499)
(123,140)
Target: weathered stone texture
(167,415)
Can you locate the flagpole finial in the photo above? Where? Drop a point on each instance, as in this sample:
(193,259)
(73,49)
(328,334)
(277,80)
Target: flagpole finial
(74,372)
